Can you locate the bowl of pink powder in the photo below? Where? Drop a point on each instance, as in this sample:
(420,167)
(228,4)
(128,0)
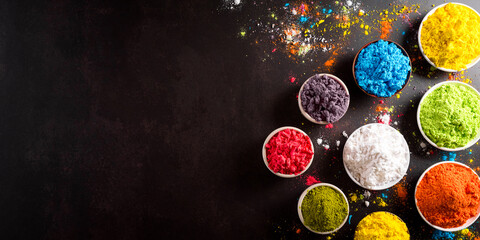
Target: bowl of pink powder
(323,98)
(287,152)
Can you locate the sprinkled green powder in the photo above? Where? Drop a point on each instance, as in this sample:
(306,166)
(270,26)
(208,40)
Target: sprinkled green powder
(450,115)
(324,209)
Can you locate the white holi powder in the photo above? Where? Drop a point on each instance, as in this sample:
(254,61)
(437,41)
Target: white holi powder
(367,203)
(338,143)
(423,145)
(376,155)
(326,146)
(344,134)
(319,141)
(236,2)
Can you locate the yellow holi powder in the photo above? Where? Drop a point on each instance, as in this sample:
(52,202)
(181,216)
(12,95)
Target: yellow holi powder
(450,37)
(379,201)
(381,225)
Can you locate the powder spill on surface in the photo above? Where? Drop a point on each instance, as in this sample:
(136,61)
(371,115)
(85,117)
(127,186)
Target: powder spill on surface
(381,225)
(311,180)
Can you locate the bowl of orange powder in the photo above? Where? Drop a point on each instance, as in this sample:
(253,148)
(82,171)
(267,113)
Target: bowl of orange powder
(447,196)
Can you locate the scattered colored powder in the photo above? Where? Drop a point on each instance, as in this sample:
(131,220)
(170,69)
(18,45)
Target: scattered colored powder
(450,115)
(450,156)
(381,225)
(386,28)
(384,118)
(401,191)
(448,195)
(329,125)
(324,209)
(324,99)
(440,235)
(380,202)
(292,79)
(382,69)
(450,36)
(289,152)
(311,180)
(353,197)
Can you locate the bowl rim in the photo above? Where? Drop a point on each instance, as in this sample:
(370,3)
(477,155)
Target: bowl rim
(403,51)
(299,99)
(304,193)
(470,143)
(264,152)
(469,222)
(408,231)
(387,185)
(474,61)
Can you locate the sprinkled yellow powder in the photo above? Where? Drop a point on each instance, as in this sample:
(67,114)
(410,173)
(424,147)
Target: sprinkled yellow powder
(450,37)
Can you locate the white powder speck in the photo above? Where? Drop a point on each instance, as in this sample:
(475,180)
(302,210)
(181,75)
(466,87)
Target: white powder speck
(326,146)
(376,155)
(423,145)
(367,203)
(319,141)
(349,3)
(338,143)
(236,2)
(396,123)
(344,134)
(385,118)
(367,194)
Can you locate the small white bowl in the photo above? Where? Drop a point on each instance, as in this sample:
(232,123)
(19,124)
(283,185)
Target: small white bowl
(264,152)
(300,200)
(420,41)
(386,185)
(304,113)
(469,144)
(469,222)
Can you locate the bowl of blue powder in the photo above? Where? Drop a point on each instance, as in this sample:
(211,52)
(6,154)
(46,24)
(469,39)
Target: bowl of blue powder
(323,98)
(382,68)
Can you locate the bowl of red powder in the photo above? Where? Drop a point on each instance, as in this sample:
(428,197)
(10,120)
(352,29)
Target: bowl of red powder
(323,98)
(447,196)
(287,152)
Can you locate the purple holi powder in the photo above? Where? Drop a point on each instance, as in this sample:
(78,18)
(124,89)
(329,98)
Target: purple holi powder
(324,99)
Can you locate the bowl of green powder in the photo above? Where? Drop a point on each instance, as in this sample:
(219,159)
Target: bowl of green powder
(448,37)
(323,208)
(448,116)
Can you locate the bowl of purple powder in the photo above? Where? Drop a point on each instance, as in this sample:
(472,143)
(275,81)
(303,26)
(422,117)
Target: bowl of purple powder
(382,68)
(323,98)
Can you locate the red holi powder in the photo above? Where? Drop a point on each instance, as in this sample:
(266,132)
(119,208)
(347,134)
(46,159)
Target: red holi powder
(329,125)
(311,180)
(381,101)
(292,79)
(289,152)
(274,50)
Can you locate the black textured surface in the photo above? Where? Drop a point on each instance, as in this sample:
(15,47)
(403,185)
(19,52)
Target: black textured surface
(145,120)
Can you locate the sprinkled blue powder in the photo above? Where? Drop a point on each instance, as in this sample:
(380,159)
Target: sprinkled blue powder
(329,11)
(382,69)
(437,235)
(303,19)
(449,157)
(384,195)
(287,4)
(349,218)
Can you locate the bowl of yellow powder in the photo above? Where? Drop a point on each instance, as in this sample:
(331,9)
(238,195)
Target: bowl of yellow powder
(449,37)
(381,225)
(323,208)
(447,196)
(448,116)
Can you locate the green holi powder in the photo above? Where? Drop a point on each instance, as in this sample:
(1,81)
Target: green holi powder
(324,209)
(450,115)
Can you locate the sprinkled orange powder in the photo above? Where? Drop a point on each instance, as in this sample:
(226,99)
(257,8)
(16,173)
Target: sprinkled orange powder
(386,29)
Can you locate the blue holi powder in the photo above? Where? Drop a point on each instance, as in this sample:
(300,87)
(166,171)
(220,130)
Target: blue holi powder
(303,19)
(403,33)
(469,152)
(384,195)
(437,235)
(324,10)
(382,69)
(349,218)
(329,11)
(449,157)
(287,4)
(444,158)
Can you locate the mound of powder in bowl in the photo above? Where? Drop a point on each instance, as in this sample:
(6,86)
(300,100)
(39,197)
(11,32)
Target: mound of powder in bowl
(376,155)
(450,115)
(382,69)
(450,36)
(324,98)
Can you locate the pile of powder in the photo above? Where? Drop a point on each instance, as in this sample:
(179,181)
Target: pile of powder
(382,69)
(324,98)
(376,155)
(450,36)
(289,152)
(324,209)
(381,225)
(448,195)
(450,115)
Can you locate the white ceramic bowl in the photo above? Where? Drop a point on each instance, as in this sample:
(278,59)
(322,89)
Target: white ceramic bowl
(466,224)
(304,113)
(469,144)
(300,200)
(386,185)
(264,152)
(474,61)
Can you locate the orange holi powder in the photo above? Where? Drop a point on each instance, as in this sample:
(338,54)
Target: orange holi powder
(386,28)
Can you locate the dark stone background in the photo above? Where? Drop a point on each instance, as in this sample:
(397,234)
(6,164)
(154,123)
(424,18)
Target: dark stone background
(145,120)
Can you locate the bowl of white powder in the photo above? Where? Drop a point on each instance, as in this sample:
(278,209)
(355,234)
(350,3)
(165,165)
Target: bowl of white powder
(376,156)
